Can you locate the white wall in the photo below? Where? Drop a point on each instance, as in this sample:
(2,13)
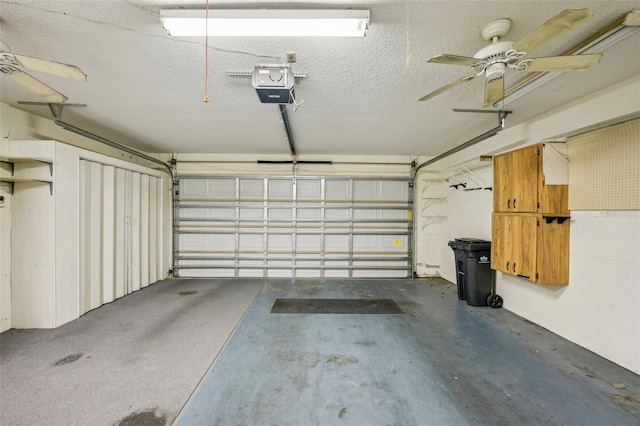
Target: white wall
(5,240)
(600,308)
(5,254)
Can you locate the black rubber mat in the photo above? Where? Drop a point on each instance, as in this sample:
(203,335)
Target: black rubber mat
(335,306)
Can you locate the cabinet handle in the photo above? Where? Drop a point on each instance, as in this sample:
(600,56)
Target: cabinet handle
(514,203)
(507,265)
(509,203)
(514,266)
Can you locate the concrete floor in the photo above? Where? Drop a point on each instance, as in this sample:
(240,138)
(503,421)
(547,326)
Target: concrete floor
(137,360)
(442,363)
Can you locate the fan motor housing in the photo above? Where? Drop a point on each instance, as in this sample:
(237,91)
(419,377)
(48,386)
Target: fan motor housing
(494,49)
(494,71)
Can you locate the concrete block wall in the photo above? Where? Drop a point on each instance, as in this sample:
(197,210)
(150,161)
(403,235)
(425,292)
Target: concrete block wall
(600,308)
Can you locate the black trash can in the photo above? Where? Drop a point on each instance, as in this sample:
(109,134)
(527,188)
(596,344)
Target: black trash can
(473,269)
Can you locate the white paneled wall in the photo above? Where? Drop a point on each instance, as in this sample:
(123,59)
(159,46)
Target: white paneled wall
(119,238)
(95,234)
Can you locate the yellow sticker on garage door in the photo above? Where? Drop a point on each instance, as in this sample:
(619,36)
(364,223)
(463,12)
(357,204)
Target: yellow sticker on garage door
(397,243)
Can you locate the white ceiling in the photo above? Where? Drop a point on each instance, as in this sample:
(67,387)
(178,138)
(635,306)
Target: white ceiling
(145,89)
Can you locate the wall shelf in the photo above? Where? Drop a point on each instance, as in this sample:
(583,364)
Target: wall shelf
(22,179)
(26,160)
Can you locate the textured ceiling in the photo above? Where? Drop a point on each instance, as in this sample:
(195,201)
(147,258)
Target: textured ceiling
(146,89)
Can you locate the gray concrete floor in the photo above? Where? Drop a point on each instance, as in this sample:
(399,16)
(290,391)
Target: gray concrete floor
(136,362)
(132,362)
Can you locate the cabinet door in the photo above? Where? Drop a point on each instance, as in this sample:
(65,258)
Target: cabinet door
(553,253)
(523,193)
(515,180)
(523,255)
(513,248)
(553,198)
(501,182)
(500,243)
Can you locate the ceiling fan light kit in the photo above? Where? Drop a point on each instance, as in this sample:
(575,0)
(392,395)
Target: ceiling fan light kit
(265,23)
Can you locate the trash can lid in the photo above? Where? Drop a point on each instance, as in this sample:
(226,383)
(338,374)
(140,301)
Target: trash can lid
(470,244)
(471,240)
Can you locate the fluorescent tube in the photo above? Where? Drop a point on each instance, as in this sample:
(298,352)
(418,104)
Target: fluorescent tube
(266,22)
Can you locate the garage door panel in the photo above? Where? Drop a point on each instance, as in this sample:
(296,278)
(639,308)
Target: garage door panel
(280,189)
(201,188)
(251,189)
(188,241)
(337,189)
(334,213)
(308,243)
(251,242)
(221,213)
(279,242)
(251,213)
(293,227)
(394,190)
(336,242)
(280,213)
(308,189)
(309,213)
(193,189)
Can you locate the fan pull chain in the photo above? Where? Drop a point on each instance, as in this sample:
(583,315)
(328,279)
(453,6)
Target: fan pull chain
(206,53)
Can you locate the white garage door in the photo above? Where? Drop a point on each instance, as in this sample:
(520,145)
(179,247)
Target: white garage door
(292,227)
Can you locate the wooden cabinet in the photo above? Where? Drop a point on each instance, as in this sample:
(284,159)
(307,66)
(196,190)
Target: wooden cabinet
(530,230)
(519,184)
(531,246)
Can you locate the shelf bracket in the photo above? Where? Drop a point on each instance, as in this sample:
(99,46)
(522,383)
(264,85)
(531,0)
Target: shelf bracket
(560,219)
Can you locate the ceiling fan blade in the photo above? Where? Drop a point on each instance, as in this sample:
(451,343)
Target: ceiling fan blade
(493,91)
(454,60)
(445,88)
(37,87)
(50,67)
(558,25)
(632,19)
(564,63)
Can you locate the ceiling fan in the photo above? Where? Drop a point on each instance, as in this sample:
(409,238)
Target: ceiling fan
(12,65)
(493,60)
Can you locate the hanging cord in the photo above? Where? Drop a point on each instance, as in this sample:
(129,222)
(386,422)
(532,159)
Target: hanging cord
(206,53)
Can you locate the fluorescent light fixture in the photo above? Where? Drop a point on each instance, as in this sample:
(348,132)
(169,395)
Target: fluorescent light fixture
(627,27)
(265,22)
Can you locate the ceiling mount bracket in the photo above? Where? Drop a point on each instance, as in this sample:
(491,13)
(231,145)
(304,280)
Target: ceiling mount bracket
(55,107)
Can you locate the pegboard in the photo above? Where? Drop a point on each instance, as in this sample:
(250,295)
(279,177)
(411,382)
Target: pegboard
(605,168)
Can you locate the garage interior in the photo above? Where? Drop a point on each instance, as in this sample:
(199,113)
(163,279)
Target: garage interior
(180,245)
